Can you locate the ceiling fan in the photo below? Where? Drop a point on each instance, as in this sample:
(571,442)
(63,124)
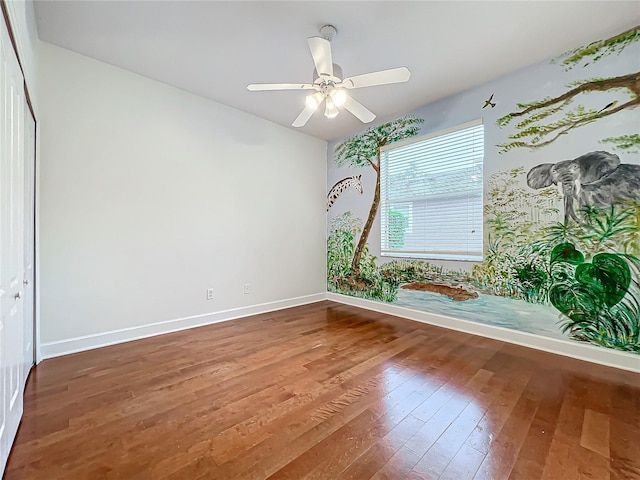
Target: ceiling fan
(329,85)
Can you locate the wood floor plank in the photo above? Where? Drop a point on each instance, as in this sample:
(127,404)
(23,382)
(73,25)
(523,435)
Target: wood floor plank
(375,458)
(537,443)
(325,391)
(595,433)
(624,441)
(337,451)
(464,465)
(311,422)
(508,442)
(397,466)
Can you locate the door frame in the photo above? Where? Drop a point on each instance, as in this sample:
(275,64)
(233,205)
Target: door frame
(7,14)
(32,220)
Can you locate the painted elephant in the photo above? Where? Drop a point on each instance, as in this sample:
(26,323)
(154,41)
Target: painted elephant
(595,178)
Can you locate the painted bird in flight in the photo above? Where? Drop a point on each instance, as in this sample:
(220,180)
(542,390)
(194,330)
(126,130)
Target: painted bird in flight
(489,102)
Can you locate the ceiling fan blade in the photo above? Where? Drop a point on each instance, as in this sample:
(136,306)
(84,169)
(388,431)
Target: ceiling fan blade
(360,111)
(321,53)
(304,117)
(382,77)
(255,87)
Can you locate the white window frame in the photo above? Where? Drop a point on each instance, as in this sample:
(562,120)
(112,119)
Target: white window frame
(471,246)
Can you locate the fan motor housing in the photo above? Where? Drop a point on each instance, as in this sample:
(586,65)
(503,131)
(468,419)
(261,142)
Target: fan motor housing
(336,78)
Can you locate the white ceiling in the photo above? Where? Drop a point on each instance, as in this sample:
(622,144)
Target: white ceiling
(215,48)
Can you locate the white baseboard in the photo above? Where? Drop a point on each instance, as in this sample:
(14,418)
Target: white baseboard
(89,342)
(569,348)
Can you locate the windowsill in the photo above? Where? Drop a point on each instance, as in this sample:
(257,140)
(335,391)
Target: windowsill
(433,256)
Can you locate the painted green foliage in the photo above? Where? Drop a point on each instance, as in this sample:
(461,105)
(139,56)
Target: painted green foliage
(369,283)
(599,298)
(541,122)
(629,143)
(606,280)
(586,266)
(376,282)
(364,149)
(589,271)
(516,245)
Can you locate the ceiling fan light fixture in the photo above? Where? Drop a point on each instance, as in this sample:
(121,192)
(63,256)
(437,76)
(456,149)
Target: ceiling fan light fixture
(330,109)
(314,101)
(330,85)
(338,96)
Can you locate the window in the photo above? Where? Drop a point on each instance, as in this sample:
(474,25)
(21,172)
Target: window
(431,195)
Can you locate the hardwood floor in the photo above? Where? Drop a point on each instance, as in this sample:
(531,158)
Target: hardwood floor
(326,391)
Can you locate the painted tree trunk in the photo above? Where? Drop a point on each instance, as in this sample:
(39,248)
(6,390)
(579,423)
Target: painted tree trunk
(357,254)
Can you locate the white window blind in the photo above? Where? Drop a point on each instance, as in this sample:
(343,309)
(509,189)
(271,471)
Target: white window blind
(431,195)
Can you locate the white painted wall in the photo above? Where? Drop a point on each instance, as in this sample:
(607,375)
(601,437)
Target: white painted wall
(150,195)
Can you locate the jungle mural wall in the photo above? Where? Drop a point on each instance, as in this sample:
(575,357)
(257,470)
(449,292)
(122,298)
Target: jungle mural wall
(561,203)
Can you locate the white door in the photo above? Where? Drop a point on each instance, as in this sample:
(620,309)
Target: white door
(11,243)
(29,241)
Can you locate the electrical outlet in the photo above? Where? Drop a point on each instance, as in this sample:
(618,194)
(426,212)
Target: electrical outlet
(247,288)
(209,293)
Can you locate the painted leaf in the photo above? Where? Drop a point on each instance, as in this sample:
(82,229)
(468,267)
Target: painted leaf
(607,273)
(566,252)
(578,301)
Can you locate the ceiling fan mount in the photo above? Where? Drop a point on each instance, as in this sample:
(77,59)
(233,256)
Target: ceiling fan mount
(329,84)
(328,32)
